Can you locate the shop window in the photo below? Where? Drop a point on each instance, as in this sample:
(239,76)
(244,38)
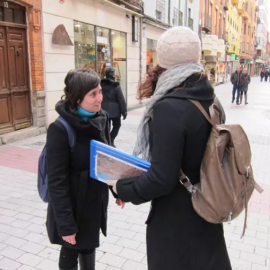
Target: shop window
(103,50)
(151,55)
(85,46)
(119,58)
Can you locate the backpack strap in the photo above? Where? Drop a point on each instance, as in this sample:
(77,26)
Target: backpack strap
(70,132)
(202,110)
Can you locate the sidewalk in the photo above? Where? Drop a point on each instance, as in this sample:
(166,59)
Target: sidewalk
(23,239)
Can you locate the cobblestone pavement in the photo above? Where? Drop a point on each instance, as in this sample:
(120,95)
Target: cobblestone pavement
(23,240)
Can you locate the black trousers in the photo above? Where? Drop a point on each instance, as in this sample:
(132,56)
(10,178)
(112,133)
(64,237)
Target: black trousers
(116,124)
(69,257)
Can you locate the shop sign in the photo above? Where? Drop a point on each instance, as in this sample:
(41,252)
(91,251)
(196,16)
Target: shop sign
(102,40)
(237,57)
(233,57)
(120,59)
(242,61)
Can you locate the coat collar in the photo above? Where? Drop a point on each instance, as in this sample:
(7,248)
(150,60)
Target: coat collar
(96,124)
(202,90)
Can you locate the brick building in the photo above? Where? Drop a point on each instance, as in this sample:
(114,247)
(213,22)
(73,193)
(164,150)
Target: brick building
(22,105)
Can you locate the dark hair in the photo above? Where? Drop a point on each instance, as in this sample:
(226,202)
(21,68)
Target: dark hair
(78,83)
(110,72)
(147,88)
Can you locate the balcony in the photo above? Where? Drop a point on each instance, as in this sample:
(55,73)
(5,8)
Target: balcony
(245,15)
(206,22)
(190,23)
(235,2)
(226,6)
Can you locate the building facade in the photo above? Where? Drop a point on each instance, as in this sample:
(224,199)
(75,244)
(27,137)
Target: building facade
(262,29)
(213,34)
(22,97)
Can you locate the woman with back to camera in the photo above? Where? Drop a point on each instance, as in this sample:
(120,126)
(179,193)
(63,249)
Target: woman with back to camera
(173,135)
(77,207)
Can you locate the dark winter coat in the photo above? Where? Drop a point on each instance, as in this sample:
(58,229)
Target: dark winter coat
(113,99)
(246,79)
(177,237)
(77,203)
(262,74)
(234,79)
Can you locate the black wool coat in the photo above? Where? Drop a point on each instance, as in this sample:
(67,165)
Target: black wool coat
(77,203)
(177,237)
(113,99)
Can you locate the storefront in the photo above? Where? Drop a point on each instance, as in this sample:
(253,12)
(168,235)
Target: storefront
(151,55)
(98,48)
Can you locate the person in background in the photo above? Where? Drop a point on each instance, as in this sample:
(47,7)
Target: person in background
(77,208)
(246,80)
(113,102)
(237,84)
(173,135)
(262,74)
(266,75)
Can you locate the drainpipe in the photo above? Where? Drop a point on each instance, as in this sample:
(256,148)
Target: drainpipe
(186,15)
(169,12)
(140,68)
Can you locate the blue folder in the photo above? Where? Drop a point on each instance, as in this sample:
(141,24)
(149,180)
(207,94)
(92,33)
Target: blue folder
(113,157)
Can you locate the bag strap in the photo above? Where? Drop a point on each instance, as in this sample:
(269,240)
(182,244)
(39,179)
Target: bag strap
(70,131)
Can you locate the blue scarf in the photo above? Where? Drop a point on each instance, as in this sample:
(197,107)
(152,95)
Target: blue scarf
(84,114)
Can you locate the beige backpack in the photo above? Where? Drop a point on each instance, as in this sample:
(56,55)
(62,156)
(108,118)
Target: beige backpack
(227,180)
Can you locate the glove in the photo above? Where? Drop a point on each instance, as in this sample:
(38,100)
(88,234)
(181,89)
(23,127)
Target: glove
(124,116)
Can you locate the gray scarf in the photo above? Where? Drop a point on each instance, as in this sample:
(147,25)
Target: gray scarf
(170,79)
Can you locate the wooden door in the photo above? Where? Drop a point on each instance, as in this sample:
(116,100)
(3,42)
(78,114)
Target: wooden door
(18,77)
(15,108)
(6,119)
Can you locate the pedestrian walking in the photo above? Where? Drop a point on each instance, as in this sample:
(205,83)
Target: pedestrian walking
(262,75)
(113,101)
(77,208)
(173,135)
(246,79)
(237,84)
(266,75)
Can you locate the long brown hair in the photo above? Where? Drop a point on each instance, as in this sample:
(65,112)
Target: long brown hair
(147,88)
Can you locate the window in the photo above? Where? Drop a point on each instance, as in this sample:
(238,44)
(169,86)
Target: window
(175,17)
(151,56)
(158,15)
(13,13)
(85,45)
(189,13)
(180,18)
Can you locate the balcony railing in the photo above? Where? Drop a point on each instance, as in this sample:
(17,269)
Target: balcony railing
(207,22)
(190,23)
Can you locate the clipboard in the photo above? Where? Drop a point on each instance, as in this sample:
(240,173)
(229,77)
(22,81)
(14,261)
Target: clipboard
(109,163)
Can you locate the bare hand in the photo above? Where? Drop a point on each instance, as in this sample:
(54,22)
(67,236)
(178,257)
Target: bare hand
(119,202)
(70,239)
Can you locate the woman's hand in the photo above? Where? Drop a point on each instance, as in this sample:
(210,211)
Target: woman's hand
(112,183)
(119,202)
(70,239)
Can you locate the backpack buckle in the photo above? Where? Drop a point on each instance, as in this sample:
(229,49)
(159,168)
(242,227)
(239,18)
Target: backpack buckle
(184,181)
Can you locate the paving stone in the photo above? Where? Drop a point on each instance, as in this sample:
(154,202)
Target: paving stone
(35,237)
(8,264)
(15,242)
(11,253)
(32,248)
(29,259)
(47,264)
(132,255)
(51,254)
(112,260)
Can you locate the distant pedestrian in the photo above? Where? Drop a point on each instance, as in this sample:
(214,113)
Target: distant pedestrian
(113,101)
(266,75)
(246,79)
(237,84)
(262,75)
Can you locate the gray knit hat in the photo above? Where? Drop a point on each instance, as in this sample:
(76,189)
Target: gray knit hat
(178,45)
